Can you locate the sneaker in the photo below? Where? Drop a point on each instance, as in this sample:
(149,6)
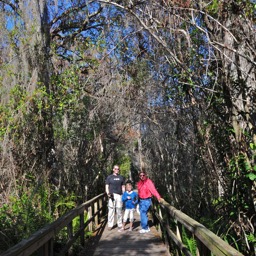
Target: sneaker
(120,230)
(130,229)
(109,228)
(143,231)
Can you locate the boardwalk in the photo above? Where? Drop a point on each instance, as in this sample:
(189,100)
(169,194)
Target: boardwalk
(112,243)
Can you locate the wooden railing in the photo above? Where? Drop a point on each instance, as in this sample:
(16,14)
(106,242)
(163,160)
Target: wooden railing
(43,240)
(173,222)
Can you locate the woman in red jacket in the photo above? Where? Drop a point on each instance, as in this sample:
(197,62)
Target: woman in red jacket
(146,189)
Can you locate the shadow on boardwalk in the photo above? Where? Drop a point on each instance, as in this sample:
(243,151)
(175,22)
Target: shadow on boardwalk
(111,243)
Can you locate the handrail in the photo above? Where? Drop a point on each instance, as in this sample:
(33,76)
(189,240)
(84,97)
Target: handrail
(207,241)
(43,239)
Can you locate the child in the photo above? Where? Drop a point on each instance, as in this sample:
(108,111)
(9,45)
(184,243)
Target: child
(130,198)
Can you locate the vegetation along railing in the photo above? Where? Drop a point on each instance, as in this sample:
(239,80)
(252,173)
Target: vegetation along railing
(88,213)
(181,232)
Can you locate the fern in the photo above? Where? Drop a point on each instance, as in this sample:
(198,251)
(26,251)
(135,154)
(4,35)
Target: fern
(192,246)
(190,242)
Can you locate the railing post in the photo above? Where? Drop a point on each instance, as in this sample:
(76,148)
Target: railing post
(46,249)
(202,250)
(96,219)
(178,231)
(100,207)
(51,242)
(81,226)
(90,213)
(167,226)
(43,250)
(178,234)
(70,231)
(159,226)
(163,230)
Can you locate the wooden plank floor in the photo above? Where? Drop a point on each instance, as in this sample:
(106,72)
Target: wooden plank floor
(112,243)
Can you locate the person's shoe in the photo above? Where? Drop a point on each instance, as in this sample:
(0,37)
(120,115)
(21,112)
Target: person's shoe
(109,228)
(120,230)
(130,229)
(143,231)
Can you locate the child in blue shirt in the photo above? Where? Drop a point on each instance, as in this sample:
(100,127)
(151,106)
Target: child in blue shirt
(130,199)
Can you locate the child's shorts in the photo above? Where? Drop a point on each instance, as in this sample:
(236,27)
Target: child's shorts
(128,213)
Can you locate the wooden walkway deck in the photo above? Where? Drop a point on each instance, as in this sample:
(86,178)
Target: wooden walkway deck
(112,243)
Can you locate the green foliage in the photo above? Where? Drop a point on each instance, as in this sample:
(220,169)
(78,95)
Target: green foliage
(252,175)
(22,108)
(189,241)
(237,7)
(240,171)
(252,171)
(252,239)
(213,7)
(69,103)
(64,203)
(125,165)
(237,206)
(253,146)
(24,214)
(31,210)
(8,122)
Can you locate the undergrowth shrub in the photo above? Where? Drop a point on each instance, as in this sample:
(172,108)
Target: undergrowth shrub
(30,210)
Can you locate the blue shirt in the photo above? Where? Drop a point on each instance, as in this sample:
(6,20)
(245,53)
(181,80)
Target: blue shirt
(130,203)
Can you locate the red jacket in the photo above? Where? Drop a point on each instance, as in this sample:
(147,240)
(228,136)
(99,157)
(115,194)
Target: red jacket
(146,189)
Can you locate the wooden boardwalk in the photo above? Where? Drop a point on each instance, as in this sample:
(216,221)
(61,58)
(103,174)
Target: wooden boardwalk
(112,243)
